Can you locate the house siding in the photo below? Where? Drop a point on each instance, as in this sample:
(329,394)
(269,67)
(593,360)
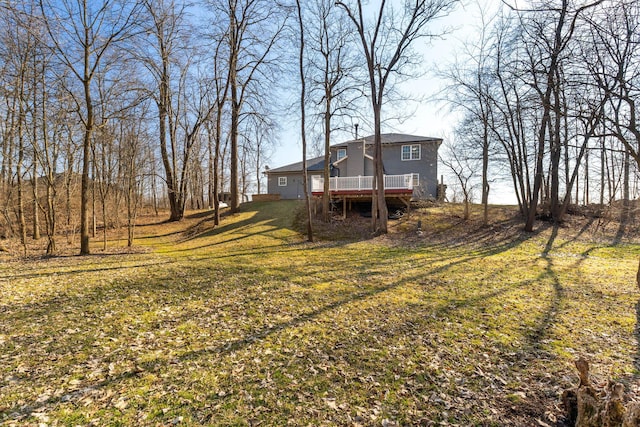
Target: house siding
(294,188)
(356,160)
(355,164)
(426,167)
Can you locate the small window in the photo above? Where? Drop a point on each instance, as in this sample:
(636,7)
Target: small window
(342,153)
(416,180)
(282,181)
(411,152)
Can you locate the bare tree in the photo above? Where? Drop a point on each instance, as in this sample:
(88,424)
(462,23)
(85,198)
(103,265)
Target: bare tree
(214,127)
(253,28)
(21,48)
(303,123)
(9,90)
(81,34)
(333,76)
(167,28)
(470,91)
(536,102)
(615,66)
(133,138)
(104,150)
(48,153)
(386,44)
(260,134)
(514,116)
(465,169)
(549,30)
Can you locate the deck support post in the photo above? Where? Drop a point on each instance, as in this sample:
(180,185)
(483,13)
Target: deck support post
(344,208)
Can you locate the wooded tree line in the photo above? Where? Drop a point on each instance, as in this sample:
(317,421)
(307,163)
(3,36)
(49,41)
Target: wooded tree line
(550,95)
(152,101)
(124,102)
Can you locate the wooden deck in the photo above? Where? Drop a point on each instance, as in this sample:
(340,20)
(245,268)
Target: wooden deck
(364,193)
(362,184)
(359,189)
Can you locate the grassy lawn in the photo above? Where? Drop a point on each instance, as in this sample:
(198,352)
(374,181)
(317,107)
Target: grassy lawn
(247,324)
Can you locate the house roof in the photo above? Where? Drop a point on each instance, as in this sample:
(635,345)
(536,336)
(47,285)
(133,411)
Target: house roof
(317,164)
(392,138)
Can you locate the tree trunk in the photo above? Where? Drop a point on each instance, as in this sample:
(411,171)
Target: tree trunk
(303,131)
(21,220)
(216,174)
(210,171)
(381,202)
(326,197)
(485,174)
(467,210)
(258,159)
(585,187)
(104,221)
(626,193)
(84,192)
(131,202)
(19,164)
(175,213)
(154,188)
(50,167)
(556,154)
(36,204)
(94,178)
(86,150)
(602,169)
(67,201)
(51,218)
(235,112)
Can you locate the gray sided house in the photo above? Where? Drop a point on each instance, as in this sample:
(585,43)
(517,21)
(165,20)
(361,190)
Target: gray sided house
(287,180)
(410,168)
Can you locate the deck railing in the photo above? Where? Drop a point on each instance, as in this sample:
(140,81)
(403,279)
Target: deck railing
(362,183)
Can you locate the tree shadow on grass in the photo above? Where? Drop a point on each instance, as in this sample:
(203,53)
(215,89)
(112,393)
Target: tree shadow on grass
(306,313)
(233,233)
(624,222)
(503,244)
(25,275)
(536,336)
(637,334)
(499,246)
(585,227)
(310,313)
(23,411)
(263,333)
(546,319)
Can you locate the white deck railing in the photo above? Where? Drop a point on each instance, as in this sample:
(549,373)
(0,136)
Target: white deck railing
(362,183)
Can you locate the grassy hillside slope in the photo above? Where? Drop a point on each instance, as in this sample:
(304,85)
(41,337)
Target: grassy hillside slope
(248,324)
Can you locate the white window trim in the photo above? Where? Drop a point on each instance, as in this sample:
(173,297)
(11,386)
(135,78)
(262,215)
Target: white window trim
(416,180)
(338,158)
(410,152)
(282,181)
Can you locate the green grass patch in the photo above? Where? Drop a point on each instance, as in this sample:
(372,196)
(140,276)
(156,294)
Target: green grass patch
(246,323)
